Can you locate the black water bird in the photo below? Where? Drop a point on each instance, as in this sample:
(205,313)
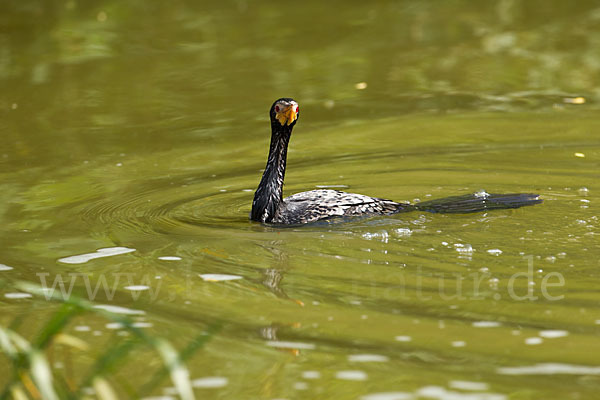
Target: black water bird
(270,207)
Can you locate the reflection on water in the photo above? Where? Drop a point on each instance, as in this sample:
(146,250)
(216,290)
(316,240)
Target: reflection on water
(134,136)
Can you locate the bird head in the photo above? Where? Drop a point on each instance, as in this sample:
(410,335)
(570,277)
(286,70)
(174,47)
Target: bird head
(284,112)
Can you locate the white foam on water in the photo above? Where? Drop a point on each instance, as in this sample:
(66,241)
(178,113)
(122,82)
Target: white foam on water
(300,386)
(119,310)
(351,375)
(486,324)
(290,345)
(550,369)
(105,252)
(4,267)
(142,324)
(440,393)
(388,396)
(210,382)
(219,277)
(311,375)
(482,194)
(17,295)
(137,287)
(468,385)
(532,341)
(553,333)
(82,328)
(169,258)
(368,358)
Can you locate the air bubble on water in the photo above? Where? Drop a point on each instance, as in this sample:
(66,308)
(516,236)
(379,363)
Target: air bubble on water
(311,375)
(553,333)
(351,375)
(403,232)
(469,386)
(137,288)
(381,236)
(482,194)
(533,340)
(210,382)
(486,324)
(82,328)
(368,358)
(4,267)
(300,386)
(466,249)
(17,295)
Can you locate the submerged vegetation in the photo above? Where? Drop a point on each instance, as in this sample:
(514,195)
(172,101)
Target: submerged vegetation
(35,371)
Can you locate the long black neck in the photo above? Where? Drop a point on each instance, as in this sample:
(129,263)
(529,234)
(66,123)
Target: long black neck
(269,194)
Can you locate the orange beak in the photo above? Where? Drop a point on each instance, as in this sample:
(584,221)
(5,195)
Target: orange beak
(287,115)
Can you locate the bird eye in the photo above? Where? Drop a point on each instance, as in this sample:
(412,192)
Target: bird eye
(276,108)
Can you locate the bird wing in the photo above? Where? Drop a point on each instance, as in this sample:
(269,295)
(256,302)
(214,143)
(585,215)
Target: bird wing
(320,204)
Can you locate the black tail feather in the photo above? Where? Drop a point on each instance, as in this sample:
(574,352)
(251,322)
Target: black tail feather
(478,202)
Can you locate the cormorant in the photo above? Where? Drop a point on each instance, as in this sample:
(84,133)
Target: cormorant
(270,207)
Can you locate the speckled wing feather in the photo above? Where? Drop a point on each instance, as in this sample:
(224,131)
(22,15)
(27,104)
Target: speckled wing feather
(315,205)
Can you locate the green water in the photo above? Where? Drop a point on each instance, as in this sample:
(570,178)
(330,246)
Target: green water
(145,125)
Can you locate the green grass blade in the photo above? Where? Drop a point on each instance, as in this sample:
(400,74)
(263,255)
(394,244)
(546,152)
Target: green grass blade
(42,376)
(179,373)
(184,355)
(103,389)
(58,321)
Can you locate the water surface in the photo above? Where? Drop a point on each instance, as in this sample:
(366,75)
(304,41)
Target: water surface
(134,136)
